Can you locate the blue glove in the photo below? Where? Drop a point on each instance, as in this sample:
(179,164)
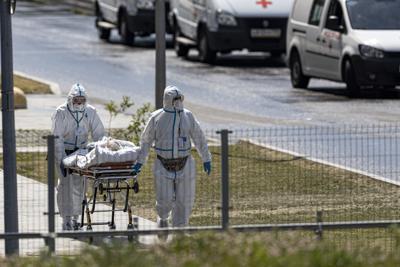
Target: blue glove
(63,169)
(137,167)
(207,167)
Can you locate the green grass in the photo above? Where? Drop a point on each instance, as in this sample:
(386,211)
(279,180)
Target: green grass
(32,165)
(265,187)
(268,186)
(224,250)
(74,9)
(30,86)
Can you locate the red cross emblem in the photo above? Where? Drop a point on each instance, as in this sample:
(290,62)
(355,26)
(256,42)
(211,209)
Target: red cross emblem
(264,3)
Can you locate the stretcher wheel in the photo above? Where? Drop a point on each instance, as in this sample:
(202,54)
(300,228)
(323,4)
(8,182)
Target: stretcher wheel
(135,187)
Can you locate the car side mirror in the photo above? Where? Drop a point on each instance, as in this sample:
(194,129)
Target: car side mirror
(334,24)
(13,4)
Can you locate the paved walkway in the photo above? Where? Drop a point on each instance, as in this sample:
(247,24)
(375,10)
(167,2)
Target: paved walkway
(41,107)
(32,206)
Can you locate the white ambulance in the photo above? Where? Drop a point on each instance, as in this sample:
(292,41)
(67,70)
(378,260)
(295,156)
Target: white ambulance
(223,26)
(129,17)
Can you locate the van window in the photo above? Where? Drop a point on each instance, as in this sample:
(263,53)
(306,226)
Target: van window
(199,2)
(335,9)
(374,14)
(301,10)
(316,12)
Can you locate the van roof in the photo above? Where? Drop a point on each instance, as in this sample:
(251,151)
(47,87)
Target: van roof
(256,8)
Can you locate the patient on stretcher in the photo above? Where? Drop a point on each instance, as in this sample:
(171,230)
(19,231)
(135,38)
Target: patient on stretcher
(107,150)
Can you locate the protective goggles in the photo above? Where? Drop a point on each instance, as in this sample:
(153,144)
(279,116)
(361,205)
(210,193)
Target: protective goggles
(79,100)
(179,97)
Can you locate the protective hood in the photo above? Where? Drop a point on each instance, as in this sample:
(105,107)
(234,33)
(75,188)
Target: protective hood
(76,90)
(171,93)
(256,8)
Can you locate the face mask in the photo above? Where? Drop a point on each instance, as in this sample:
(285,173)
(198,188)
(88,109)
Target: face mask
(79,107)
(178,104)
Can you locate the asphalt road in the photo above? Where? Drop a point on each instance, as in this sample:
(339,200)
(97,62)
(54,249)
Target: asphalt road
(240,91)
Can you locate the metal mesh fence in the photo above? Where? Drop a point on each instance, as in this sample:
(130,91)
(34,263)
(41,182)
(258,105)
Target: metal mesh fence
(287,174)
(277,175)
(31,186)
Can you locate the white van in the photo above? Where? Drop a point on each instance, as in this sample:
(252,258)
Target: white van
(353,41)
(129,17)
(215,26)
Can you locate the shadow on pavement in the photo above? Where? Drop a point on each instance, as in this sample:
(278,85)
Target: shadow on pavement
(243,60)
(224,60)
(368,93)
(141,42)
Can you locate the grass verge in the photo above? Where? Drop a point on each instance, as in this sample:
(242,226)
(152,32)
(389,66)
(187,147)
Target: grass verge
(30,86)
(267,186)
(223,250)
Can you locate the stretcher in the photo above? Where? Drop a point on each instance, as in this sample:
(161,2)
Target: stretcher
(108,181)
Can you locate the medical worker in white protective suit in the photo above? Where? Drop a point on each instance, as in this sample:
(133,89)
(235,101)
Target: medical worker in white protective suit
(73,121)
(171,129)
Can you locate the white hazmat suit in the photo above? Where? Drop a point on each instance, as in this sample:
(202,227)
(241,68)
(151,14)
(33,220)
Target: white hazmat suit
(73,123)
(171,129)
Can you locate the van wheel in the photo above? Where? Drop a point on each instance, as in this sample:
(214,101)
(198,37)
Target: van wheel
(350,79)
(298,79)
(181,50)
(103,33)
(206,55)
(127,36)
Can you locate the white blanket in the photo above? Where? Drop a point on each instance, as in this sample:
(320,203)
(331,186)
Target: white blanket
(107,150)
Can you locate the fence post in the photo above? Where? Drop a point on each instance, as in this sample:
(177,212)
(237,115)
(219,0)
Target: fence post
(8,120)
(319,222)
(225,177)
(50,191)
(160,52)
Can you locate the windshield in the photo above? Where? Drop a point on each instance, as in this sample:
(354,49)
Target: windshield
(374,14)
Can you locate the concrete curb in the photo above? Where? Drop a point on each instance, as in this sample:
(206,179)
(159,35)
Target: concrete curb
(54,87)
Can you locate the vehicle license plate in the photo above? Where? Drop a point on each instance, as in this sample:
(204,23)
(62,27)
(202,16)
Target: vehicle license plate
(265,33)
